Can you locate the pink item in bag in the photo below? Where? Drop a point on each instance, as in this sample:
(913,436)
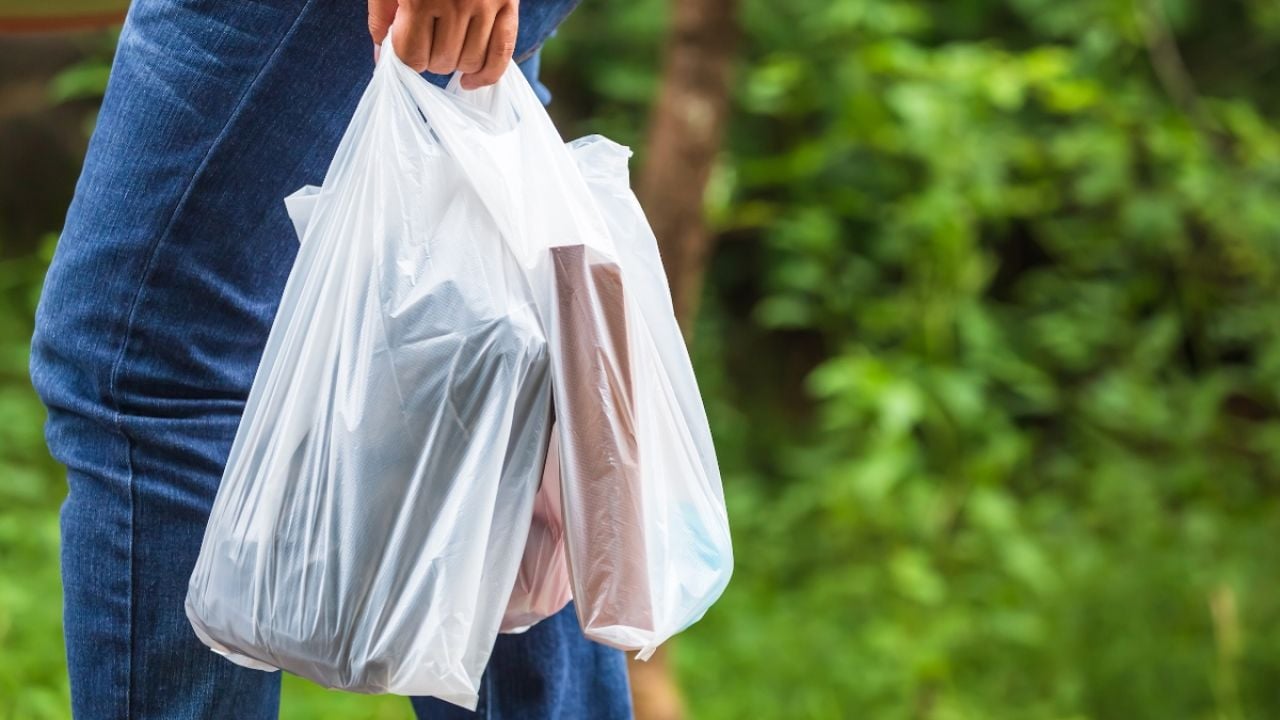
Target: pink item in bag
(542,583)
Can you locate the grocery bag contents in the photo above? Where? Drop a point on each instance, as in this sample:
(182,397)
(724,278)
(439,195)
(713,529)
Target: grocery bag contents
(542,584)
(601,464)
(658,581)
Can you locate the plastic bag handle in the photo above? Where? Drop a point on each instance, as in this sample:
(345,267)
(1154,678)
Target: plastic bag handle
(479,129)
(454,104)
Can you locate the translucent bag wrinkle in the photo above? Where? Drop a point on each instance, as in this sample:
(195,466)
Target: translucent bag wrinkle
(686,532)
(542,198)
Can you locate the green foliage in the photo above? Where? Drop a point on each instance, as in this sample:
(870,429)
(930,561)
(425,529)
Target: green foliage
(32,677)
(60,9)
(86,80)
(1003,444)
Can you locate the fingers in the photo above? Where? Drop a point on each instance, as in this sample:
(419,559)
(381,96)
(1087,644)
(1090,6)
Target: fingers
(476,37)
(446,42)
(381,13)
(413,35)
(502,44)
(476,46)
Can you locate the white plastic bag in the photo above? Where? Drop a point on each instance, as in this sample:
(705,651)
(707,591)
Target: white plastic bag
(646,531)
(378,494)
(663,474)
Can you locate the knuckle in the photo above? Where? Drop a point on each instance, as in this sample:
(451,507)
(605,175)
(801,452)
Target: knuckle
(417,62)
(441,65)
(415,59)
(503,48)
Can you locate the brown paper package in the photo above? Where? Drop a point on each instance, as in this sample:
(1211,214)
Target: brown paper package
(600,459)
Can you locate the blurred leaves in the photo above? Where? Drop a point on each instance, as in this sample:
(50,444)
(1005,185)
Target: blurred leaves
(1001,314)
(86,80)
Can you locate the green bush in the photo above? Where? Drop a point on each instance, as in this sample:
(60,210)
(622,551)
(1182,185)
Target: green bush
(989,349)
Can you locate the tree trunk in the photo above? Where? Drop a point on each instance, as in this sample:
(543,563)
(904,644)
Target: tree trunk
(684,136)
(685,133)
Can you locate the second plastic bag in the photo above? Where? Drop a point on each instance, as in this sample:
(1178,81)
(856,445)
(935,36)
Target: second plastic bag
(646,528)
(646,531)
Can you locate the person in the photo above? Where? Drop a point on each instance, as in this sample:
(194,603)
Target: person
(156,310)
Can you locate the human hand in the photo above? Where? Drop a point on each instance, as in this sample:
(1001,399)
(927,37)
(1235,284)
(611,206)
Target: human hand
(476,37)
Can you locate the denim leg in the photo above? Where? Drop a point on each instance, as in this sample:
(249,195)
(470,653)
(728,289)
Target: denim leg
(152,322)
(153,316)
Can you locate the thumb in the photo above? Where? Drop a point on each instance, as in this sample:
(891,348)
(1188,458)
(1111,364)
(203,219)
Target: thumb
(381,13)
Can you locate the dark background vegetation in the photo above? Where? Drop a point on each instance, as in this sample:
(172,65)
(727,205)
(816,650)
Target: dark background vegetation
(986,329)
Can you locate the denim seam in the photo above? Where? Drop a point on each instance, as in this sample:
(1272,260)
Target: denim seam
(112,395)
(133,565)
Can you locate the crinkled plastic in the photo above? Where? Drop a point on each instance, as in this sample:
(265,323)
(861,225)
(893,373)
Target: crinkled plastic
(646,531)
(379,519)
(646,528)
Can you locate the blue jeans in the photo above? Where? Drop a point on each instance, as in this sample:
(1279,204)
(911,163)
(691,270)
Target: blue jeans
(153,319)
